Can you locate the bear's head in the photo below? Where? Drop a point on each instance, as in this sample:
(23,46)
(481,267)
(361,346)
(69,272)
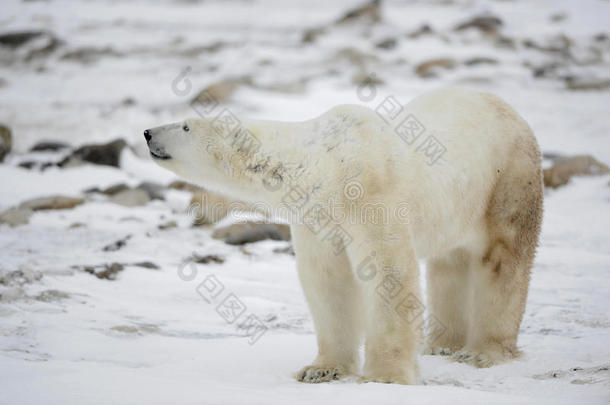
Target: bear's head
(204,152)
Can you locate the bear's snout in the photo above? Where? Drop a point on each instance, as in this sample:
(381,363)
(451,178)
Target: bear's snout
(157,150)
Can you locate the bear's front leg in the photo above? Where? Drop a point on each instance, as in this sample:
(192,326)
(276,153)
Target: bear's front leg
(335,301)
(385,264)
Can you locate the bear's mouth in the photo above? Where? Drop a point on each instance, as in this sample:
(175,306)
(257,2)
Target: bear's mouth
(160,156)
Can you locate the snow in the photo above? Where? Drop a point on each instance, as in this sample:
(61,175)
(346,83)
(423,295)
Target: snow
(149,336)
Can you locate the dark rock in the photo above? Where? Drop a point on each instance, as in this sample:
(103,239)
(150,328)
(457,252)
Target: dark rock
(480,61)
(147,265)
(564,168)
(558,17)
(546,70)
(421,31)
(369,13)
(430,67)
(582,83)
(485,23)
(104,271)
(18,38)
(310,35)
(155,190)
(128,101)
(249,232)
(601,37)
(207,259)
(168,225)
(6,141)
(114,246)
(388,43)
(107,154)
(87,55)
(57,202)
(559,44)
(114,189)
(288,250)
(28,164)
(37,43)
(32,164)
(505,42)
(49,146)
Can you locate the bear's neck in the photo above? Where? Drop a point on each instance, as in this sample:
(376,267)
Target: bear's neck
(271,163)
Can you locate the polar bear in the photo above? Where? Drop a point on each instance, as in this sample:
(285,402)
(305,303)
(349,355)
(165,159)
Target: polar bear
(452,178)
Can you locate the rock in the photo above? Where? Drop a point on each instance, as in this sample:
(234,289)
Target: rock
(49,146)
(108,154)
(114,246)
(6,142)
(505,42)
(601,37)
(248,232)
(57,202)
(559,44)
(581,83)
(131,198)
(288,250)
(207,259)
(481,60)
(355,56)
(388,43)
(19,277)
(33,164)
(18,38)
(421,31)
(154,190)
(310,35)
(366,79)
(113,190)
(485,23)
(222,90)
(564,168)
(104,271)
(36,43)
(87,55)
(558,17)
(52,296)
(168,225)
(147,265)
(15,216)
(429,68)
(368,13)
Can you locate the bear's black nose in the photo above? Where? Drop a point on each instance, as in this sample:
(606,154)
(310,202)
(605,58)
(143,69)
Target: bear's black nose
(147,136)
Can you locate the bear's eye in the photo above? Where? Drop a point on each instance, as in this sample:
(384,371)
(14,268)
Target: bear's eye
(186,128)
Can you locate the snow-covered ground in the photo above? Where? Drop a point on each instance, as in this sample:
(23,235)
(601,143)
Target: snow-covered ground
(150,336)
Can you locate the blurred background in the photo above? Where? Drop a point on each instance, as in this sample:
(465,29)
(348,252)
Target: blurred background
(94,236)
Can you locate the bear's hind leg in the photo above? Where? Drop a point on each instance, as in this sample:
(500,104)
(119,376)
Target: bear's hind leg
(334,299)
(500,273)
(448,301)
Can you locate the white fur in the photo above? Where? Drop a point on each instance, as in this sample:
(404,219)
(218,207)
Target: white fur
(444,202)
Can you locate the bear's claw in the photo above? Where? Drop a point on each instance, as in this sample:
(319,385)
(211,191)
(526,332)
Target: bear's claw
(318,374)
